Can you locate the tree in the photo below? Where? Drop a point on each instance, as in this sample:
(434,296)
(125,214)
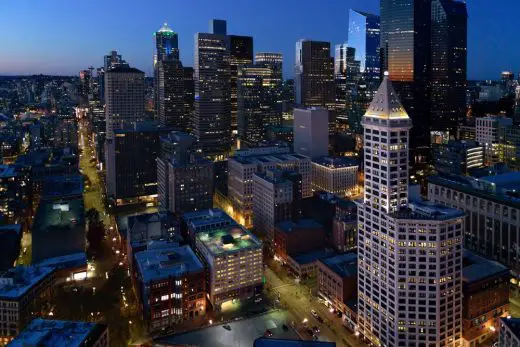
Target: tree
(96,230)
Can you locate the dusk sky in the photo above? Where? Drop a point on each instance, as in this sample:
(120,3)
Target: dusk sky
(64,36)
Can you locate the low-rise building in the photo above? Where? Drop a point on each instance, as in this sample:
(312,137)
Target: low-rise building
(171,286)
(58,229)
(485,289)
(305,265)
(233,257)
(509,335)
(23,290)
(205,220)
(335,175)
(272,202)
(337,284)
(50,333)
(293,238)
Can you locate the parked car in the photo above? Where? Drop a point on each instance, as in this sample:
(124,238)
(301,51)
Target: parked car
(314,313)
(316,329)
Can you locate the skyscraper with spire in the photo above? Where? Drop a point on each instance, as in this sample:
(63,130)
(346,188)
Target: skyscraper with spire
(166,43)
(410,252)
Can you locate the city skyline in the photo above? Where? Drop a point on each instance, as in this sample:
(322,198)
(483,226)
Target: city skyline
(132,34)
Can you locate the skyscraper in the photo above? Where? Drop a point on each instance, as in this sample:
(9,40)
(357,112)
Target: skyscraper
(112,59)
(449,64)
(124,97)
(166,43)
(273,61)
(363,36)
(240,54)
(212,116)
(410,253)
(405,53)
(169,80)
(170,107)
(346,74)
(258,93)
(189,94)
(218,26)
(314,74)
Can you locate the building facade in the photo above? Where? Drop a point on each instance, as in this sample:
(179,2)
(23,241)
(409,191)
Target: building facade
(246,163)
(335,175)
(240,54)
(171,287)
(410,253)
(458,157)
(233,257)
(314,74)
(212,116)
(22,291)
(311,131)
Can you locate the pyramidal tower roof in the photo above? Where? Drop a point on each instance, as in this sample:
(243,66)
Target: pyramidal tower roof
(165,29)
(386,103)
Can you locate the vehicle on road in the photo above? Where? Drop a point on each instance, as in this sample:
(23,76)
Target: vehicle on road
(319,319)
(316,329)
(257,300)
(309,332)
(227,327)
(268,333)
(314,313)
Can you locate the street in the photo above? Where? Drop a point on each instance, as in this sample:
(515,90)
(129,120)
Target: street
(299,302)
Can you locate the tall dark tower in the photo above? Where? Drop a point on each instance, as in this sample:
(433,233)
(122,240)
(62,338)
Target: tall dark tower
(449,64)
(169,80)
(405,54)
(166,43)
(240,54)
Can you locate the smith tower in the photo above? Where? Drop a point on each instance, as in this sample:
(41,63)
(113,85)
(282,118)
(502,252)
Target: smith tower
(410,253)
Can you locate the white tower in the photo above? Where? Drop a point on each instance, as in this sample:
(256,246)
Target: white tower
(410,253)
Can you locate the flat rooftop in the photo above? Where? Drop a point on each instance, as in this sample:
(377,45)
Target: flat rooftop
(56,187)
(345,265)
(68,261)
(269,158)
(241,333)
(336,162)
(44,332)
(156,264)
(229,239)
(425,210)
(306,258)
(15,282)
(476,268)
(497,188)
(59,214)
(288,226)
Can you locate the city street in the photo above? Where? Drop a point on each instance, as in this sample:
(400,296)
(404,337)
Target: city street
(298,300)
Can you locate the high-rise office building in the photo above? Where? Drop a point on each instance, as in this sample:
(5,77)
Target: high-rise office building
(212,116)
(113,59)
(448,64)
(272,60)
(170,98)
(124,97)
(85,78)
(218,26)
(314,74)
(184,179)
(257,106)
(272,202)
(346,74)
(166,44)
(240,54)
(131,163)
(189,95)
(364,37)
(410,253)
(169,80)
(405,53)
(311,131)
